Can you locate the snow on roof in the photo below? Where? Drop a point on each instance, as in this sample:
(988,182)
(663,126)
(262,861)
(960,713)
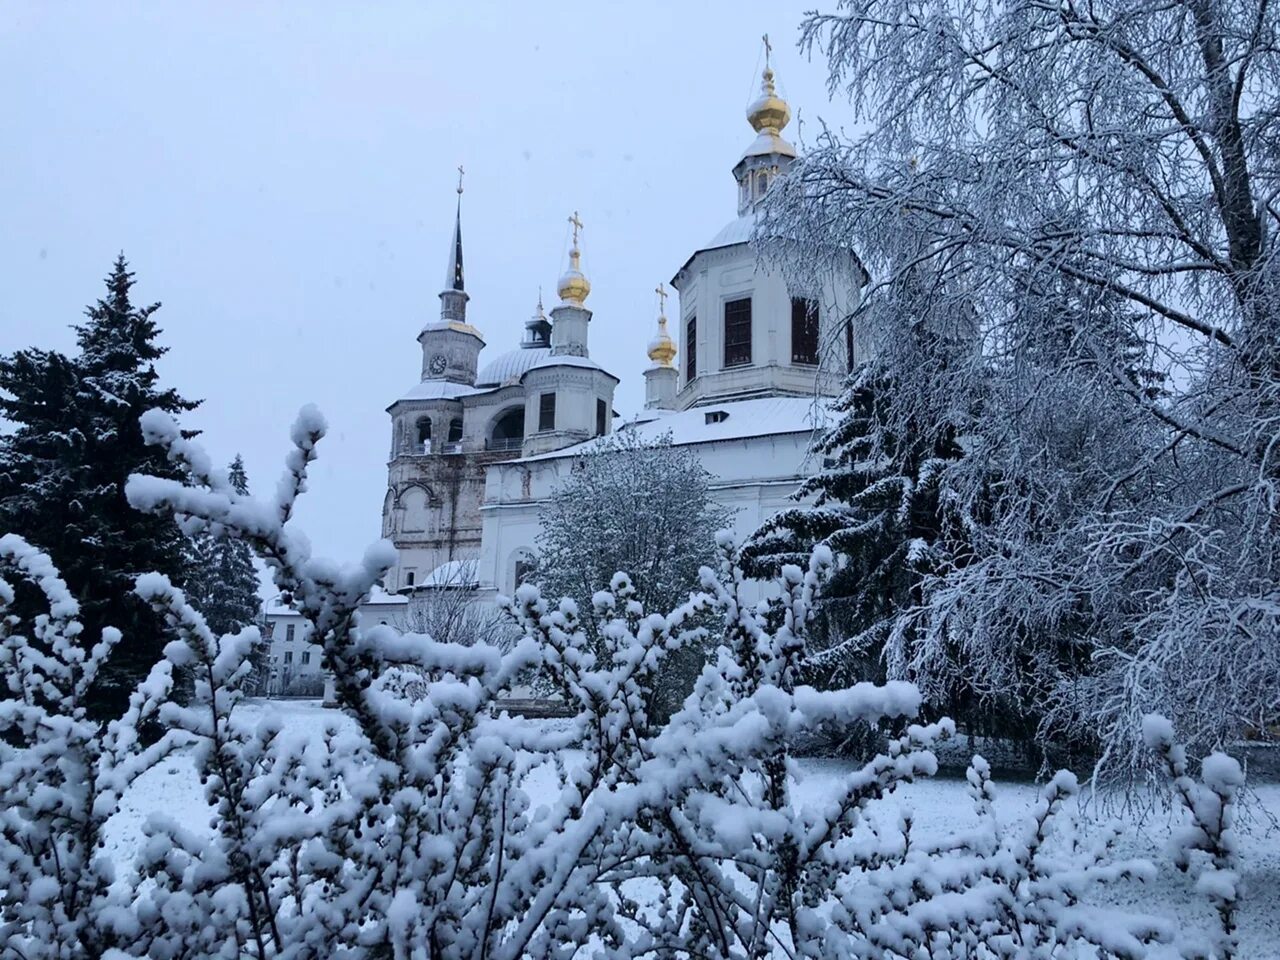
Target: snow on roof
(741,420)
(452,573)
(509,367)
(377,597)
(380,596)
(565,360)
(735,231)
(767,143)
(439,390)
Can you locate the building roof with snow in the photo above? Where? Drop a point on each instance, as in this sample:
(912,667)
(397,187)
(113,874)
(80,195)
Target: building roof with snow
(716,422)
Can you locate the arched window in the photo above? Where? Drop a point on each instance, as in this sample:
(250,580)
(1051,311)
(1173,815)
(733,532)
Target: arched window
(423,434)
(762,183)
(508,430)
(416,506)
(455,430)
(524,565)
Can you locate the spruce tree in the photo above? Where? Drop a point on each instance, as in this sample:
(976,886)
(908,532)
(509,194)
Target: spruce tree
(875,503)
(223,583)
(64,466)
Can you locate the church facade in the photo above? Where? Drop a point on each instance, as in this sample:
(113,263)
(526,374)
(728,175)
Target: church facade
(461,418)
(478,450)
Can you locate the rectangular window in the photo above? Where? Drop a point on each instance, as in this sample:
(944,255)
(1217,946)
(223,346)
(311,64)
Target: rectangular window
(691,348)
(288,656)
(288,633)
(306,657)
(602,418)
(804,330)
(737,332)
(547,411)
(848,343)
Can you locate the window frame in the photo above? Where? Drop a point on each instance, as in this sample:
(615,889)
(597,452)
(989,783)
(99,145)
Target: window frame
(810,319)
(691,348)
(602,417)
(546,412)
(742,345)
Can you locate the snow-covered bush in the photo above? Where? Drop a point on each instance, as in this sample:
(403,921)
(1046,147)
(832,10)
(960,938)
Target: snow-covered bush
(410,832)
(61,773)
(1207,840)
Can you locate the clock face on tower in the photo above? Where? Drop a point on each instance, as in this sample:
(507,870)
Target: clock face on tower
(437,364)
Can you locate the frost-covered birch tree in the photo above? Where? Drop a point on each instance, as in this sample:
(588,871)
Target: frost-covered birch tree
(1085,194)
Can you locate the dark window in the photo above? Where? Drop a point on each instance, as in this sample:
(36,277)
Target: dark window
(547,411)
(455,430)
(848,343)
(602,417)
(691,348)
(508,430)
(737,332)
(525,568)
(424,435)
(717,416)
(288,656)
(306,657)
(804,330)
(288,633)
(409,577)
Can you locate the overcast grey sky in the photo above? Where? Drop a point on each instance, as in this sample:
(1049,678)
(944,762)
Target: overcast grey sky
(281,177)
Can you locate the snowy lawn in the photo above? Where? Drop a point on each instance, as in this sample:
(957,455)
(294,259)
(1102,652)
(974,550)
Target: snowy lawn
(937,806)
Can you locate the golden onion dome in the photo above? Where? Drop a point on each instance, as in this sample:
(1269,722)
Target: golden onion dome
(662,349)
(574,286)
(769,113)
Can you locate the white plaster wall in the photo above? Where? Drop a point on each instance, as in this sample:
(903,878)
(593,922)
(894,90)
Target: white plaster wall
(715,277)
(754,478)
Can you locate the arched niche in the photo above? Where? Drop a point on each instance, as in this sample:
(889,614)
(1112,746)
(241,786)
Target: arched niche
(415,509)
(506,431)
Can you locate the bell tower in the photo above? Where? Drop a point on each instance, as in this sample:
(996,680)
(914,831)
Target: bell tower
(451,346)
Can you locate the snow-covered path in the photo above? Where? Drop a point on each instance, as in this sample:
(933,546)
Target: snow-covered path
(937,806)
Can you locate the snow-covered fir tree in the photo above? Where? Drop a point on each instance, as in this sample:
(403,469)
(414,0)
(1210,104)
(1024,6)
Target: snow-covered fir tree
(222,580)
(64,466)
(876,501)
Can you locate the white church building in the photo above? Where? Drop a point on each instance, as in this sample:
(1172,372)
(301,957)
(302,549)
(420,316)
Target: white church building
(479,443)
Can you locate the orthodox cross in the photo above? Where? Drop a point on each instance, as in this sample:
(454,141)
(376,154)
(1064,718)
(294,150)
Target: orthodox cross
(661,291)
(460,179)
(768,49)
(577,225)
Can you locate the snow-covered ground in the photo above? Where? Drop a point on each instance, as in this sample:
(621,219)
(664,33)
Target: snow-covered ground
(937,805)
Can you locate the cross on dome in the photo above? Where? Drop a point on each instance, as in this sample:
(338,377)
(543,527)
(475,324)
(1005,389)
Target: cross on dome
(574,286)
(662,349)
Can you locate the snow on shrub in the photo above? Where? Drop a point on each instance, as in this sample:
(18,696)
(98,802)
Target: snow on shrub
(61,774)
(412,835)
